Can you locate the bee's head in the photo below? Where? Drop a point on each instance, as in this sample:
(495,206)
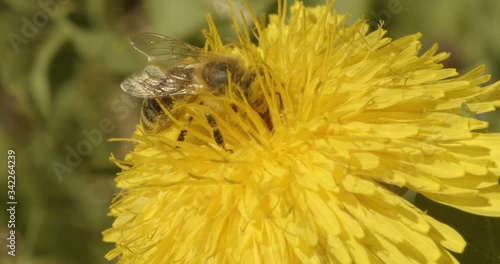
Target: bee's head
(216,74)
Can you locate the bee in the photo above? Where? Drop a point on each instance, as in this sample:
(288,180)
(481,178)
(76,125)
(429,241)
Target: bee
(180,72)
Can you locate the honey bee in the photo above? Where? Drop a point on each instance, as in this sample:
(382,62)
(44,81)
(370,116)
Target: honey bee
(180,72)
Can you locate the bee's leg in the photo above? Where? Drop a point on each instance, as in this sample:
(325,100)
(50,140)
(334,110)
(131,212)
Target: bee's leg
(219,139)
(183,133)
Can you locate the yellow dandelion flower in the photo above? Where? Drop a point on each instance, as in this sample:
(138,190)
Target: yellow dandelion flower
(331,116)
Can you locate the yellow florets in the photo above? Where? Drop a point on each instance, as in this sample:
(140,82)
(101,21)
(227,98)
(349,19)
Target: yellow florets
(349,110)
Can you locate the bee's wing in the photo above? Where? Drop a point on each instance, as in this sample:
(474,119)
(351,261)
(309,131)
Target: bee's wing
(171,69)
(164,51)
(152,82)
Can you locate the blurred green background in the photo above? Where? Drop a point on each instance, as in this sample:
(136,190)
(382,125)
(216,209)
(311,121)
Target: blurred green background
(61,66)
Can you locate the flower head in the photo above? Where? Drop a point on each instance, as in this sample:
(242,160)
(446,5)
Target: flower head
(348,113)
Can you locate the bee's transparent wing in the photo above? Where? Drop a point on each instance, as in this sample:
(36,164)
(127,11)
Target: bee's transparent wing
(171,70)
(152,82)
(164,51)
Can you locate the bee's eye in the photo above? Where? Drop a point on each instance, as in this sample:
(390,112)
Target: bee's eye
(215,74)
(219,75)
